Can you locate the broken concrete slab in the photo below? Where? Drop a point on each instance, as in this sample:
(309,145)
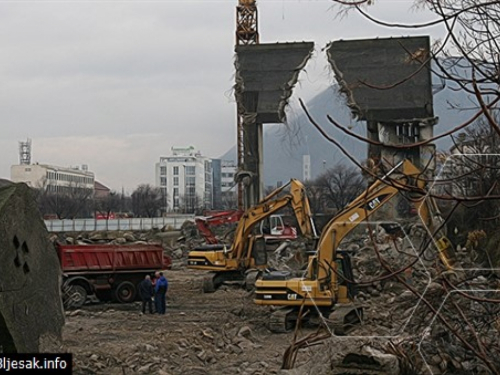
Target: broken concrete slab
(30,302)
(384,79)
(265,76)
(350,356)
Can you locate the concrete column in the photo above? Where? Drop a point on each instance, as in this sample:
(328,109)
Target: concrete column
(253,163)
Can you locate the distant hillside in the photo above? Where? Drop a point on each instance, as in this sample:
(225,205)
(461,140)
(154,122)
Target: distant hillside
(284,145)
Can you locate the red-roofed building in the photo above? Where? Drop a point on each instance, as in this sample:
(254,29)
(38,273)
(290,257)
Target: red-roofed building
(100,191)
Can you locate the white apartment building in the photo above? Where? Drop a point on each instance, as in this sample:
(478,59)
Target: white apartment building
(228,187)
(186,179)
(228,170)
(53,178)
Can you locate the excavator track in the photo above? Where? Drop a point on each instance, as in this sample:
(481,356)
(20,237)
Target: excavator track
(213,280)
(208,283)
(250,278)
(281,320)
(344,318)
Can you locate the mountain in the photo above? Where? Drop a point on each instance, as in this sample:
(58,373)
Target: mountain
(284,145)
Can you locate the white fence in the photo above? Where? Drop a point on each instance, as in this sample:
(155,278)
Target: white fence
(87,225)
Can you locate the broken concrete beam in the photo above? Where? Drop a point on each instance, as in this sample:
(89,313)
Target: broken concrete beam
(384,79)
(265,77)
(30,302)
(350,356)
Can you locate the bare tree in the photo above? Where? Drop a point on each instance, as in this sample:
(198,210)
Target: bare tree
(338,186)
(65,202)
(455,326)
(191,204)
(147,201)
(108,204)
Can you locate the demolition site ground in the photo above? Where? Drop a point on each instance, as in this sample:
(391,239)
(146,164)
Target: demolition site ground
(219,333)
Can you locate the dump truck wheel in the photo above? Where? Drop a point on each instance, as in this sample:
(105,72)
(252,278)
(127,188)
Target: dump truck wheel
(74,296)
(125,292)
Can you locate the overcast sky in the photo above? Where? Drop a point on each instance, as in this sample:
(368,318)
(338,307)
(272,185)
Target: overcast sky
(116,84)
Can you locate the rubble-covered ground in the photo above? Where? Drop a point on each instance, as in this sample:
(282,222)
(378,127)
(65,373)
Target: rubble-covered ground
(225,332)
(219,333)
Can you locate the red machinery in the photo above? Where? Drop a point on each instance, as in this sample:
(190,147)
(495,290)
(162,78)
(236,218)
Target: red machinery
(203,223)
(272,228)
(108,271)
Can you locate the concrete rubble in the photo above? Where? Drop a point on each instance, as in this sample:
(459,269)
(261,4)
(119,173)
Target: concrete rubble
(350,356)
(226,333)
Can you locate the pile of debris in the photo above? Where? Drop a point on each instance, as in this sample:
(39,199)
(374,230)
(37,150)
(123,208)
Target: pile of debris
(425,317)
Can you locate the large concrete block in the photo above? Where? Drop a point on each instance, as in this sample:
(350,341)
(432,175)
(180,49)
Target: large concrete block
(384,79)
(266,75)
(30,301)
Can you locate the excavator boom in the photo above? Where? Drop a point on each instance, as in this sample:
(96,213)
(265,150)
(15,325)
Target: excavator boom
(321,288)
(248,251)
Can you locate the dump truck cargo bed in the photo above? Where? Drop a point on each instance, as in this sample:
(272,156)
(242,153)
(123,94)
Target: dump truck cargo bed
(103,257)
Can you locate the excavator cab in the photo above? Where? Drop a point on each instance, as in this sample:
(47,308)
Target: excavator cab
(274,228)
(277,226)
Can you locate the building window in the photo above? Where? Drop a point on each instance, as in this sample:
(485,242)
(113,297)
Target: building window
(163,181)
(190,170)
(176,181)
(176,171)
(163,171)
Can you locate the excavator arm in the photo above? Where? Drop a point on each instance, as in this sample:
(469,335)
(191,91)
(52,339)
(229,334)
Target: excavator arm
(296,198)
(369,202)
(246,251)
(321,287)
(203,223)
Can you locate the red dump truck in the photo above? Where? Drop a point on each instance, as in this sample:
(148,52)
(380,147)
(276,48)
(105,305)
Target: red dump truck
(110,272)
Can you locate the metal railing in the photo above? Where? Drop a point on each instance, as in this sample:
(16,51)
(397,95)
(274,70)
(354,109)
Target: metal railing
(89,225)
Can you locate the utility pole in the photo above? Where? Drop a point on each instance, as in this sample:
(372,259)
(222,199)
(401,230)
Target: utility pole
(246,33)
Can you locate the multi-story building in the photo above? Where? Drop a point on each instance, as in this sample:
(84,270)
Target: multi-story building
(224,187)
(53,178)
(229,190)
(186,180)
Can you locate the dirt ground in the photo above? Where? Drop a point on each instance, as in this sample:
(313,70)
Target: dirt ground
(219,333)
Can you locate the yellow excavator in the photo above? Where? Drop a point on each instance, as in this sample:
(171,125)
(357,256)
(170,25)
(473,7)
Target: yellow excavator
(248,250)
(321,292)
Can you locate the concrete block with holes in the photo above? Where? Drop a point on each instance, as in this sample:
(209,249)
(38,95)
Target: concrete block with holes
(30,303)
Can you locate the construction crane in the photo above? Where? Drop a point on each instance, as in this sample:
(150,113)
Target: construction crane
(246,23)
(246,33)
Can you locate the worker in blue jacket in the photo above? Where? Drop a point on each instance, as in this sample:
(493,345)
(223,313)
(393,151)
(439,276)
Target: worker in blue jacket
(161,288)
